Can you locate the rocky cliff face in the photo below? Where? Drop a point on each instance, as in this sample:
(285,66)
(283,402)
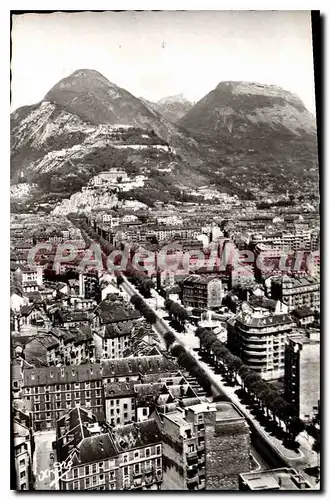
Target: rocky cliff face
(89,95)
(239,131)
(257,137)
(73,109)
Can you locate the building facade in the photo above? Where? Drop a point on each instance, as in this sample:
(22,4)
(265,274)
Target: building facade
(302,373)
(50,392)
(257,335)
(201,292)
(205,447)
(297,293)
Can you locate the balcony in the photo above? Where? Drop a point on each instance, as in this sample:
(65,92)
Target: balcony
(191,467)
(192,480)
(191,454)
(200,447)
(201,460)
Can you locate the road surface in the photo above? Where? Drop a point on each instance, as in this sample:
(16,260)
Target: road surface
(42,463)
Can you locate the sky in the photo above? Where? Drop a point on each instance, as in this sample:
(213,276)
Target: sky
(158,54)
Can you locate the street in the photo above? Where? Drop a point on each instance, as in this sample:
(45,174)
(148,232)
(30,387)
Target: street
(42,463)
(304,458)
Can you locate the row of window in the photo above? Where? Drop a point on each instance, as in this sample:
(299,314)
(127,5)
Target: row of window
(69,404)
(138,454)
(125,405)
(60,388)
(138,468)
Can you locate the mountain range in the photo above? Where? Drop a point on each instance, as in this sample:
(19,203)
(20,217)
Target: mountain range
(259,131)
(172,107)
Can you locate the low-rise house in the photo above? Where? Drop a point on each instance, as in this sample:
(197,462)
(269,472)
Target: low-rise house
(273,480)
(70,318)
(304,316)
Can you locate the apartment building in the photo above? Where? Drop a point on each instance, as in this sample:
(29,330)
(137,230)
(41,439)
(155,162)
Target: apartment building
(112,340)
(297,293)
(120,402)
(50,392)
(204,292)
(268,260)
(258,335)
(242,275)
(128,458)
(114,324)
(302,373)
(22,452)
(69,347)
(205,447)
(285,241)
(137,369)
(140,451)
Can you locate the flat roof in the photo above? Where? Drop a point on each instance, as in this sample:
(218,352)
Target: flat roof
(275,479)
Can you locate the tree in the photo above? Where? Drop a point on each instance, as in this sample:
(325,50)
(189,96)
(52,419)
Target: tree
(234,363)
(169,339)
(317,447)
(294,427)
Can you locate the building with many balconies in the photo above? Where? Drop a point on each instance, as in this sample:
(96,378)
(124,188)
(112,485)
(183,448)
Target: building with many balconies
(257,335)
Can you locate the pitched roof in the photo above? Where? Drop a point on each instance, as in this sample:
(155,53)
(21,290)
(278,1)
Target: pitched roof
(304,312)
(74,427)
(116,313)
(133,366)
(136,435)
(119,389)
(51,375)
(66,316)
(96,448)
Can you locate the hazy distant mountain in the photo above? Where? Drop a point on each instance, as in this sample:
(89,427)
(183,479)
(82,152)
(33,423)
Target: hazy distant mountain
(240,109)
(174,107)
